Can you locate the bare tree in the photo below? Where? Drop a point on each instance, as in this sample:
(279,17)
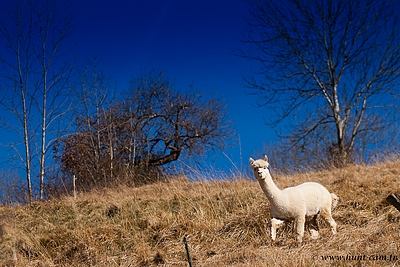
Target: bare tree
(95,94)
(328,68)
(170,122)
(35,73)
(152,126)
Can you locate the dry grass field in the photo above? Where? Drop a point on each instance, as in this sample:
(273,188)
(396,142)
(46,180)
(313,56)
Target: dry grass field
(226,224)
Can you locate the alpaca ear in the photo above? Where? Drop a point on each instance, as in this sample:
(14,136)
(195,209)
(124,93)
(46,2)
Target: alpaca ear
(265,158)
(251,160)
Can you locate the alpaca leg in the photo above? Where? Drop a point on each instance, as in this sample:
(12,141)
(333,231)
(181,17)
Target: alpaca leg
(326,214)
(275,225)
(333,225)
(314,231)
(300,228)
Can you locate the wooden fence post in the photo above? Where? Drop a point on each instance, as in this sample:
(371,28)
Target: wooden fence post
(187,251)
(74,185)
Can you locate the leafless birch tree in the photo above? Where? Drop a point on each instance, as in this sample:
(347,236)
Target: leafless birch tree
(34,75)
(328,68)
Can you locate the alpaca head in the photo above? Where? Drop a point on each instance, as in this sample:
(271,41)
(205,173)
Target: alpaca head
(260,167)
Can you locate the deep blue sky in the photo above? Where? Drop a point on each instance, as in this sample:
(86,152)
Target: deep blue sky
(192,41)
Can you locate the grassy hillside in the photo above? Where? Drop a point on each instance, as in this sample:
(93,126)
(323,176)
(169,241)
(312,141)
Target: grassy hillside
(226,224)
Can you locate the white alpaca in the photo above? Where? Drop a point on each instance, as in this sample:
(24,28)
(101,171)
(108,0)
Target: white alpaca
(294,203)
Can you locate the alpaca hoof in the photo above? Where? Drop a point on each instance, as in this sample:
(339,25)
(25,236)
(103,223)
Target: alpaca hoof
(314,234)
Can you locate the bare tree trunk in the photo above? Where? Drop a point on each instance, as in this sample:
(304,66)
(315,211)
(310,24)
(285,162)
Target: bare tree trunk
(27,149)
(43,139)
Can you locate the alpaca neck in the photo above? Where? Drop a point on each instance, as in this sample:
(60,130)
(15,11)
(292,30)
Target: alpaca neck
(272,192)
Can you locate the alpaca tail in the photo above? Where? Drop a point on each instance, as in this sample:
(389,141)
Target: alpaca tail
(335,200)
